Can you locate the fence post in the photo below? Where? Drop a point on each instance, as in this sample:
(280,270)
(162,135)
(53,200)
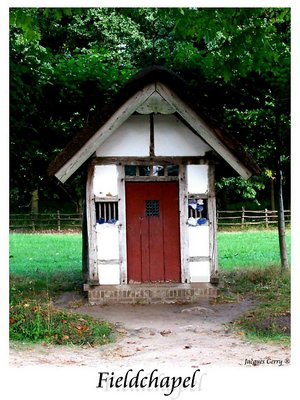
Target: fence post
(266,218)
(33,221)
(58,220)
(243,217)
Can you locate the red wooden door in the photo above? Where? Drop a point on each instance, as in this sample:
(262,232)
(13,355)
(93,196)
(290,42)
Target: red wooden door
(153,244)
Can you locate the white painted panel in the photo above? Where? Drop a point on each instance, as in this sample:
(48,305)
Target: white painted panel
(173,138)
(132,138)
(200,271)
(107,241)
(109,274)
(197,178)
(198,241)
(105,180)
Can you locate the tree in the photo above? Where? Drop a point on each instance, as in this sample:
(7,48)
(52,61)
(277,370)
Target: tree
(59,57)
(252,44)
(66,63)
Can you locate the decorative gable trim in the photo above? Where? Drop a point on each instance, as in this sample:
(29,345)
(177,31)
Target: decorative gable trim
(156,104)
(153,90)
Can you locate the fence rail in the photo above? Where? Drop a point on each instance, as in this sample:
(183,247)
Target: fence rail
(59,221)
(52,221)
(244,217)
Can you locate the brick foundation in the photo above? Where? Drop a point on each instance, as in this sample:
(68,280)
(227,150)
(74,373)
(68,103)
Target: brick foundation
(150,294)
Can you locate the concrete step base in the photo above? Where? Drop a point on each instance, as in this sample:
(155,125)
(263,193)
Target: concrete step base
(150,293)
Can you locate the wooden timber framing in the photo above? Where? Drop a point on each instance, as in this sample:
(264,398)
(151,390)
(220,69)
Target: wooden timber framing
(198,258)
(198,196)
(106,199)
(152,90)
(183,217)
(182,162)
(122,225)
(151,149)
(93,277)
(212,217)
(132,147)
(109,262)
(186,160)
(202,128)
(151,178)
(114,122)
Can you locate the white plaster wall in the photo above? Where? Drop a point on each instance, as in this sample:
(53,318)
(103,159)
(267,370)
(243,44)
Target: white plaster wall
(108,249)
(198,241)
(173,138)
(197,178)
(132,138)
(105,180)
(199,271)
(109,274)
(107,241)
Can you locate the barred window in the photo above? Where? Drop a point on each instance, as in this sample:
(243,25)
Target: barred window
(152,208)
(107,211)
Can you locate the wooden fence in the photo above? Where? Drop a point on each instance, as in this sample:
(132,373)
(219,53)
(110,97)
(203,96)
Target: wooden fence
(59,222)
(45,221)
(245,218)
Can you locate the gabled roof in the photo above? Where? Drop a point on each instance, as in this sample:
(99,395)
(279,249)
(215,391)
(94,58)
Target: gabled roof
(175,92)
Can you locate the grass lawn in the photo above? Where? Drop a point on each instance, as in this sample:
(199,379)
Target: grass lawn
(49,261)
(44,265)
(249,248)
(41,267)
(250,266)
(44,252)
(60,254)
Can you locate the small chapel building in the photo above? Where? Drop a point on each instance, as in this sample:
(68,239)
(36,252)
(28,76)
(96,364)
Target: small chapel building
(149,232)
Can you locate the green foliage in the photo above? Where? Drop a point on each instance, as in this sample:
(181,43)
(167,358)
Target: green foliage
(249,49)
(33,321)
(42,267)
(65,63)
(243,189)
(239,41)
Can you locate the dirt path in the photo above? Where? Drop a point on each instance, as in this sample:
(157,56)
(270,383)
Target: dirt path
(181,335)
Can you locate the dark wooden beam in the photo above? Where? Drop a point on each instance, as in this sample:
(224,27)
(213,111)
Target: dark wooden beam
(206,160)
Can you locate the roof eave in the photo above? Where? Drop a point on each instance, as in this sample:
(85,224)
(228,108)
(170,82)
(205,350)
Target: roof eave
(135,92)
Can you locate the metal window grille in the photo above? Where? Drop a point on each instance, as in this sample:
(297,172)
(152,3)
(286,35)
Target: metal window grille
(152,208)
(107,210)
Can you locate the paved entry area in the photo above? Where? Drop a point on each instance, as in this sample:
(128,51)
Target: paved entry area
(155,335)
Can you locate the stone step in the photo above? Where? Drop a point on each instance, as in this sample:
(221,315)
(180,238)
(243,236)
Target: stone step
(150,293)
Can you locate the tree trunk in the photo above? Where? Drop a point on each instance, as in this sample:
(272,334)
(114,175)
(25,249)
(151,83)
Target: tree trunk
(279,177)
(35,202)
(281,222)
(273,207)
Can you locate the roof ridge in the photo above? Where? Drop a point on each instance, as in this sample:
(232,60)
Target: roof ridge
(136,83)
